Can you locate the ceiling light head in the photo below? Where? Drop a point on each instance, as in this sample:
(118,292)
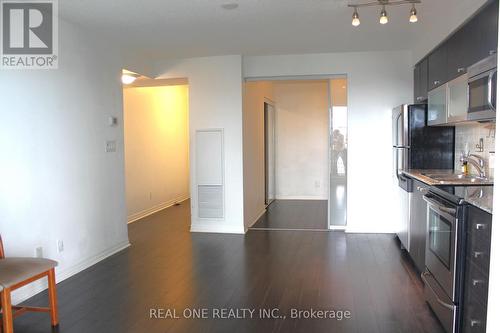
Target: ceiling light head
(413,14)
(383,16)
(355,18)
(230,6)
(129,78)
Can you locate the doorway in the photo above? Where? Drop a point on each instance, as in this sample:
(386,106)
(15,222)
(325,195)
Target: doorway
(295,155)
(156,144)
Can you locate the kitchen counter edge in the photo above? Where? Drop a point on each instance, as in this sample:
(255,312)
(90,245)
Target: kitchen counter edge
(485,203)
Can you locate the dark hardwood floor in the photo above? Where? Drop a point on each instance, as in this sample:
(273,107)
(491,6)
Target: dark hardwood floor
(168,267)
(295,214)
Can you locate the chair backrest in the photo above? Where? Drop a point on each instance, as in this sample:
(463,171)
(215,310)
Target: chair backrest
(2,254)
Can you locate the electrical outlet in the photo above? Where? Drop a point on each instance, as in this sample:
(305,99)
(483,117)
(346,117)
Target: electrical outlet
(39,252)
(60,246)
(317,184)
(110,146)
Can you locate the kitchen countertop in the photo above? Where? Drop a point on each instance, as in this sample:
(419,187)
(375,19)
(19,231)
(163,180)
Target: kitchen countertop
(418,174)
(479,196)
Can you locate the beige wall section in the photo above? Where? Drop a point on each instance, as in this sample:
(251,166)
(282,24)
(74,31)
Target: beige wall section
(338,91)
(255,94)
(156,148)
(301,139)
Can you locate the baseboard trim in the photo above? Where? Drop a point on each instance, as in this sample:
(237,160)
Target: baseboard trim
(289,229)
(365,231)
(256,219)
(217,228)
(338,227)
(22,295)
(142,214)
(301,197)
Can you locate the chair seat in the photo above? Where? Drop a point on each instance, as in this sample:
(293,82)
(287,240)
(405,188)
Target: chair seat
(15,270)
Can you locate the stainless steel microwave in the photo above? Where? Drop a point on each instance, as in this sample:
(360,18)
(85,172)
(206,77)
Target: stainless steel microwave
(482,89)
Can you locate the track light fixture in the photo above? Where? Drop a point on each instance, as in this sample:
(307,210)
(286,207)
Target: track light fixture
(413,14)
(355,18)
(384,18)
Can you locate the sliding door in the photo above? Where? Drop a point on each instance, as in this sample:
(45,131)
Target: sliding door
(338,154)
(270,152)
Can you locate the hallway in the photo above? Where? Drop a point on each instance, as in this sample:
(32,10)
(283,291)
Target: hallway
(168,267)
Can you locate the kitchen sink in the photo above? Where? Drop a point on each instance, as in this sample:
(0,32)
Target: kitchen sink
(448,178)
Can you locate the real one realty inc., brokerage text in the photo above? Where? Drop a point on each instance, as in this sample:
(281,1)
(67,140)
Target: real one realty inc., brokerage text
(247,313)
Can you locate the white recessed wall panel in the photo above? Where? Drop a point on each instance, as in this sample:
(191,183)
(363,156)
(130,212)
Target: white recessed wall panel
(209,157)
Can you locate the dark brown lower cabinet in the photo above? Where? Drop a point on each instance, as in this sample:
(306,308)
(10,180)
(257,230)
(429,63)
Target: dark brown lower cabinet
(477,266)
(418,224)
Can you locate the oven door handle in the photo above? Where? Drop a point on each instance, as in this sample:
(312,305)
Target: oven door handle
(440,301)
(490,90)
(437,205)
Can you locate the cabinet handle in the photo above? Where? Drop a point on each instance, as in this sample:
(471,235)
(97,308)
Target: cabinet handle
(478,254)
(461,69)
(475,323)
(437,82)
(476,282)
(480,226)
(492,52)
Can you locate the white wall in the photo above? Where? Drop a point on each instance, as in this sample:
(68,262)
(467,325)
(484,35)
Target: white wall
(215,101)
(255,95)
(301,139)
(377,81)
(56,181)
(156,148)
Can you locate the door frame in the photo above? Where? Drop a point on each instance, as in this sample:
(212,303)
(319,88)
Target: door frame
(312,77)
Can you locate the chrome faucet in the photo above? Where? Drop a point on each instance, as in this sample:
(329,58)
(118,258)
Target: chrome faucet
(477,162)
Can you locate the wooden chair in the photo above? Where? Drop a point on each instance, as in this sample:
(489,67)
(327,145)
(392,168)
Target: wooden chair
(18,272)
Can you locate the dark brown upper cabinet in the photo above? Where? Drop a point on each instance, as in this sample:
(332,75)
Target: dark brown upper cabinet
(474,41)
(459,54)
(438,73)
(488,24)
(420,81)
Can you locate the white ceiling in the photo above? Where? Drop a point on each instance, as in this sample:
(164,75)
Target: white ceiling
(189,28)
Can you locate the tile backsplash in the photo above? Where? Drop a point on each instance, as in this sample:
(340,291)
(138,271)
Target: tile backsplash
(467,136)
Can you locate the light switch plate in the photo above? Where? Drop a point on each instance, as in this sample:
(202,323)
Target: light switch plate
(60,246)
(110,146)
(112,121)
